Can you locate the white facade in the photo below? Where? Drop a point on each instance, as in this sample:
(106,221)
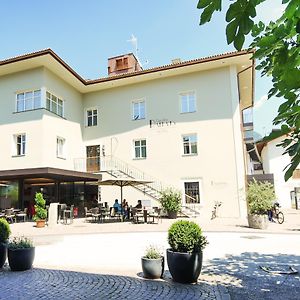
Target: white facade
(274,162)
(178,125)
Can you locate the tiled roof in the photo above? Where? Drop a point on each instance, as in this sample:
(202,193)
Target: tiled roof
(48,51)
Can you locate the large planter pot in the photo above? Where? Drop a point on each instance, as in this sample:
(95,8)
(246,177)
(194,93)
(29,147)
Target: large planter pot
(258,221)
(172,214)
(3,254)
(184,267)
(40,223)
(153,268)
(21,259)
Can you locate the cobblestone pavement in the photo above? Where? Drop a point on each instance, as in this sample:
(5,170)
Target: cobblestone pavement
(56,284)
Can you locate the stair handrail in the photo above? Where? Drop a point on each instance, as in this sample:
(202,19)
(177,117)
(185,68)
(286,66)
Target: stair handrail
(111,163)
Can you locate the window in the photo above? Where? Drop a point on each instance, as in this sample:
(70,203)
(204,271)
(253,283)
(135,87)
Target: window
(188,102)
(189,144)
(122,63)
(60,147)
(54,104)
(138,110)
(29,100)
(192,192)
(91,117)
(19,144)
(140,149)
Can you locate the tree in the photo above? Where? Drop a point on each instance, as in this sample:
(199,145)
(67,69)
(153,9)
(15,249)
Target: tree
(277,46)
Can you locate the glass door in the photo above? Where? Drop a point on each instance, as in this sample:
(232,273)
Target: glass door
(93,158)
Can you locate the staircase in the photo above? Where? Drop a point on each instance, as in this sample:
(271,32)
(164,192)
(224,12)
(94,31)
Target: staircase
(117,168)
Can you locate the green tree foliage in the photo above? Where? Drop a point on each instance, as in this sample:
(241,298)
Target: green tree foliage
(260,197)
(170,200)
(277,47)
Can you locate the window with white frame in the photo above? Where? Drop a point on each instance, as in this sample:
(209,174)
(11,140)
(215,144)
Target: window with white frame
(140,150)
(91,117)
(19,144)
(54,104)
(60,147)
(138,110)
(29,100)
(187,102)
(189,144)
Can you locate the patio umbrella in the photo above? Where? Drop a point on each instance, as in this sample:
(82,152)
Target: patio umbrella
(121,182)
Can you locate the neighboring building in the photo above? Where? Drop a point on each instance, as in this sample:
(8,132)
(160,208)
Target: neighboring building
(177,125)
(274,162)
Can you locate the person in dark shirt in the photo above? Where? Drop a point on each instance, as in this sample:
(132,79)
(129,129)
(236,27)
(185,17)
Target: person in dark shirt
(139,205)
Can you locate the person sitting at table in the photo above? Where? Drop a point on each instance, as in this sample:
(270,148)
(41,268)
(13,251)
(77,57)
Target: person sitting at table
(139,205)
(117,206)
(125,208)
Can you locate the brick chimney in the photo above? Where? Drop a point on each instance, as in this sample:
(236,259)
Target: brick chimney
(121,64)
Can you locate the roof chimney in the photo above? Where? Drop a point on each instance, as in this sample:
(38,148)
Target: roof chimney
(121,64)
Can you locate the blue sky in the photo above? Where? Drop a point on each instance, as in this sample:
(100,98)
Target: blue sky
(86,33)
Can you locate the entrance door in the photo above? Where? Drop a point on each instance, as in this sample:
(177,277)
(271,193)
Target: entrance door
(192,192)
(93,158)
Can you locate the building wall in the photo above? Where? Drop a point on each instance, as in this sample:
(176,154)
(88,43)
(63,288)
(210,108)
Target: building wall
(219,163)
(40,126)
(274,162)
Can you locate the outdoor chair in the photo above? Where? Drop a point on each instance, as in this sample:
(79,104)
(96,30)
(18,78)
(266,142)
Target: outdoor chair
(21,215)
(68,214)
(137,215)
(61,209)
(87,214)
(114,213)
(155,214)
(9,215)
(104,212)
(95,214)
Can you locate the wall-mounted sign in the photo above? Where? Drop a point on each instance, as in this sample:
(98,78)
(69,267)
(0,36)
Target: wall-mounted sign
(161,123)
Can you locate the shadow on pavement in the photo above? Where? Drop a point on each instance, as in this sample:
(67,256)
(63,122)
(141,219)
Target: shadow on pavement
(243,278)
(58,284)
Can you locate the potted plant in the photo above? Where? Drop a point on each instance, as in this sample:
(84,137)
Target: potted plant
(170,200)
(20,253)
(4,235)
(153,263)
(185,255)
(40,210)
(260,197)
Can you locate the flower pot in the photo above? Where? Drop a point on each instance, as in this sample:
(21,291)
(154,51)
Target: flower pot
(153,268)
(258,221)
(3,254)
(40,223)
(21,259)
(172,214)
(184,267)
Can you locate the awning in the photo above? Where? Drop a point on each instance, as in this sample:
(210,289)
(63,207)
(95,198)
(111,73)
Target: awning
(54,174)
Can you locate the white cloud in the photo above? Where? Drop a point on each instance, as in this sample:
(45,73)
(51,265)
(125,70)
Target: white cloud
(260,102)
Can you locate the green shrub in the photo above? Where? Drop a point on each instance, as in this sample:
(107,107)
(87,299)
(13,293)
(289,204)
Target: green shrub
(260,197)
(152,253)
(21,242)
(40,211)
(186,236)
(4,230)
(170,200)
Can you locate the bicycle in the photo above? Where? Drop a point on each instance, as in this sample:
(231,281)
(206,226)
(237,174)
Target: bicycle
(215,210)
(277,214)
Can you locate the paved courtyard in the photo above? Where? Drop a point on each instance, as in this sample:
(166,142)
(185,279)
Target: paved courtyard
(58,284)
(98,262)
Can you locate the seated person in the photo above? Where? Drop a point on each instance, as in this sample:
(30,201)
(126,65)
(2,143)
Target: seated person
(117,206)
(139,205)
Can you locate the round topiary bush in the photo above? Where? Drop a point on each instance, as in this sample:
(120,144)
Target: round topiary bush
(40,210)
(4,230)
(186,236)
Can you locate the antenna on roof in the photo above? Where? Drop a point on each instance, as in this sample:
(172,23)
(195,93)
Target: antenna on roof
(134,43)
